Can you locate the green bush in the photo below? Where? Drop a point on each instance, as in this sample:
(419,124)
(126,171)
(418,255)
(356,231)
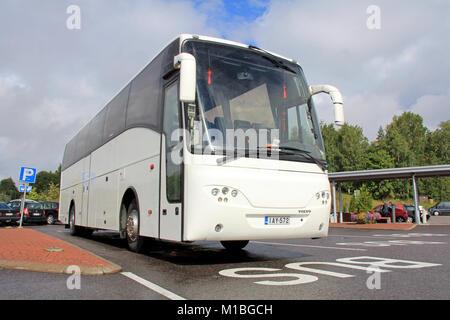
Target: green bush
(363,202)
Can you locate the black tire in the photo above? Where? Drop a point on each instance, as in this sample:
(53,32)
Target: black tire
(134,240)
(73,229)
(234,245)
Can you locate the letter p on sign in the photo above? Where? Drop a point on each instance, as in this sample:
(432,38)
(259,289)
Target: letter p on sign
(27,174)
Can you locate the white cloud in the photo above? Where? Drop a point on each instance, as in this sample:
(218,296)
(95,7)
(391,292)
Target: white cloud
(53,80)
(381,73)
(434,108)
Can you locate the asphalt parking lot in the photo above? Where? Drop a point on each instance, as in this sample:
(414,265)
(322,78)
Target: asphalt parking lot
(348,264)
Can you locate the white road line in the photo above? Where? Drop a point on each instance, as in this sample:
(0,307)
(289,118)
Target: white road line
(152,286)
(304,245)
(351,236)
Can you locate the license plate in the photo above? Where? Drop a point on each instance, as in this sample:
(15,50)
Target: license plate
(276,220)
(36,214)
(8,214)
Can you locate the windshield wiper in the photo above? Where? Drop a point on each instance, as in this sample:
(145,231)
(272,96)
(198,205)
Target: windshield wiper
(285,150)
(236,155)
(232,157)
(307,154)
(274,61)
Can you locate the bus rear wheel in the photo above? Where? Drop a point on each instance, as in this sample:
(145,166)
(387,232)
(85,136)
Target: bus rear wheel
(135,241)
(73,229)
(234,245)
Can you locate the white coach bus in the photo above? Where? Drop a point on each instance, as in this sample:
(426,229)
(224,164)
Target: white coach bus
(130,170)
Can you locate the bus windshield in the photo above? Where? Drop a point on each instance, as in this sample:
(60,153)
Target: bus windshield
(248,89)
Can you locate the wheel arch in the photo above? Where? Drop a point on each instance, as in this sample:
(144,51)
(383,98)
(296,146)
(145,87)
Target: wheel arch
(71,204)
(129,195)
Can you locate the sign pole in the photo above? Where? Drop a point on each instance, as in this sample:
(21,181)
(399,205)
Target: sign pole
(22,204)
(416,203)
(27,175)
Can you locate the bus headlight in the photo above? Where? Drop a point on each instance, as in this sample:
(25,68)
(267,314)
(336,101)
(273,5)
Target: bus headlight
(226,195)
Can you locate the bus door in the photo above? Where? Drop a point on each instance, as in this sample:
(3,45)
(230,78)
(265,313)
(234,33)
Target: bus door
(170,219)
(85,181)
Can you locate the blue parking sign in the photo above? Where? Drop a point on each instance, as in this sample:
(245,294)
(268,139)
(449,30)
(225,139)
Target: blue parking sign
(22,189)
(27,174)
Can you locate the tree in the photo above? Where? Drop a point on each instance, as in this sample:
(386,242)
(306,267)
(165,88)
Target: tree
(437,152)
(405,140)
(51,194)
(378,158)
(44,178)
(345,148)
(8,190)
(352,145)
(330,135)
(33,195)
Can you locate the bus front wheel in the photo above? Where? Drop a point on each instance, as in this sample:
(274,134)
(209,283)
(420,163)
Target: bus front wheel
(234,245)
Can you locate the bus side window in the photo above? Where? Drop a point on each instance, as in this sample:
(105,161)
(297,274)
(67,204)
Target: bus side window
(171,123)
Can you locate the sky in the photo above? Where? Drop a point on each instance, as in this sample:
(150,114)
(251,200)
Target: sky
(57,72)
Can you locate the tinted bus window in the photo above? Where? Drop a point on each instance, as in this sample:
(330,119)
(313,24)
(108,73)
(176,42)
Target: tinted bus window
(82,140)
(96,130)
(115,116)
(70,154)
(144,103)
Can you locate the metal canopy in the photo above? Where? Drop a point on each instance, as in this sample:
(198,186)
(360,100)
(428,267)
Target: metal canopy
(386,174)
(392,173)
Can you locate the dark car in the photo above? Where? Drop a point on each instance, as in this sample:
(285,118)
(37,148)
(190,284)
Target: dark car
(15,204)
(7,214)
(33,211)
(51,211)
(441,208)
(412,213)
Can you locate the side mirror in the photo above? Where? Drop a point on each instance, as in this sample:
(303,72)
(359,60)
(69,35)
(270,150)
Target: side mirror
(187,65)
(336,98)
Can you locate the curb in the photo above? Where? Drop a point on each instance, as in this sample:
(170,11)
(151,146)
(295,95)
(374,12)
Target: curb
(384,226)
(100,267)
(58,268)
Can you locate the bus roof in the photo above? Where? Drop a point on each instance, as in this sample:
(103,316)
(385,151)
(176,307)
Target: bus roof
(185,36)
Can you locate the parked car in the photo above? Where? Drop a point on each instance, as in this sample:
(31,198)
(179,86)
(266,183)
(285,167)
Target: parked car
(15,204)
(7,214)
(412,212)
(51,211)
(33,211)
(401,214)
(441,208)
